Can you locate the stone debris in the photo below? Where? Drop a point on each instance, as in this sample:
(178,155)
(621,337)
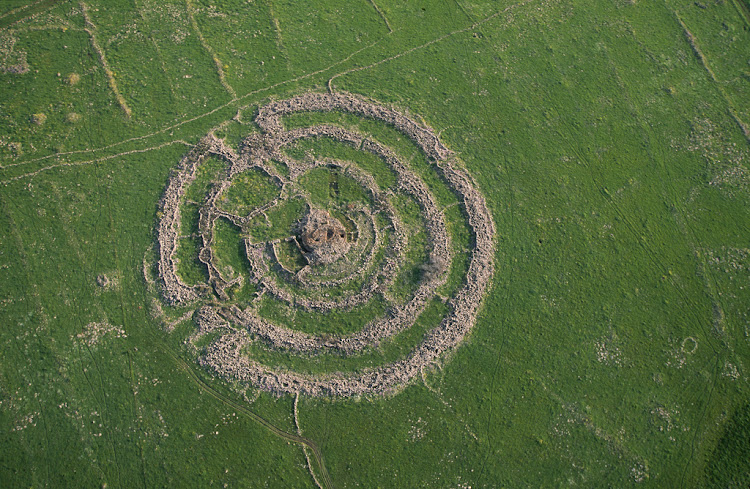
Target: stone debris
(102,281)
(94,333)
(12,60)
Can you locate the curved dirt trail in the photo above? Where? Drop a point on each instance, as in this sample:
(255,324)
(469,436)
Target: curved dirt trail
(290,437)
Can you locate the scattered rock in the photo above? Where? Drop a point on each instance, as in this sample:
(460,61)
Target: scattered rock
(102,281)
(15,148)
(94,333)
(73,79)
(39,118)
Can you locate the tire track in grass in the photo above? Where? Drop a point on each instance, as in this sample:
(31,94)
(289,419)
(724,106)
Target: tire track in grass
(438,39)
(669,193)
(712,286)
(295,411)
(75,246)
(631,227)
(509,277)
(121,300)
(136,415)
(693,42)
(43,318)
(604,193)
(305,76)
(104,193)
(219,65)
(205,387)
(300,440)
(21,14)
(89,162)
(79,349)
(317,454)
(90,29)
(683,224)
(46,432)
(658,265)
(20,247)
(701,420)
(39,311)
(197,117)
(94,266)
(651,254)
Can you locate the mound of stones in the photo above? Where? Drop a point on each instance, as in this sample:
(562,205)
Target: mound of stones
(322,237)
(335,253)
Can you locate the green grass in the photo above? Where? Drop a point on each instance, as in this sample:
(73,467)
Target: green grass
(389,350)
(328,186)
(612,157)
(326,148)
(281,221)
(248,190)
(728,466)
(290,256)
(314,322)
(207,173)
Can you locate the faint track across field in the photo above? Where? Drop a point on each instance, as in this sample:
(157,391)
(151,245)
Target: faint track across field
(19,14)
(290,437)
(240,98)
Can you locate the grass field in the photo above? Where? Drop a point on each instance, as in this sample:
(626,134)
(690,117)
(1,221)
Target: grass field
(611,141)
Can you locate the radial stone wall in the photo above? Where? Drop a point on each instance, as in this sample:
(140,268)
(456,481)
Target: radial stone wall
(362,244)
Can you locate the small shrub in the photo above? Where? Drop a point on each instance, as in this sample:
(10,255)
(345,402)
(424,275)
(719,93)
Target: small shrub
(39,118)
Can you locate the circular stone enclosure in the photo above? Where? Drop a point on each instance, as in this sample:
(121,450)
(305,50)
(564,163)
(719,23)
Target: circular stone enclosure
(302,256)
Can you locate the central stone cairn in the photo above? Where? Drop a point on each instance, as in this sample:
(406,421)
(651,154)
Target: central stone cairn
(370,251)
(323,238)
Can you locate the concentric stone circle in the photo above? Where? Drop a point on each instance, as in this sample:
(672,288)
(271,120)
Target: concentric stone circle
(338,248)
